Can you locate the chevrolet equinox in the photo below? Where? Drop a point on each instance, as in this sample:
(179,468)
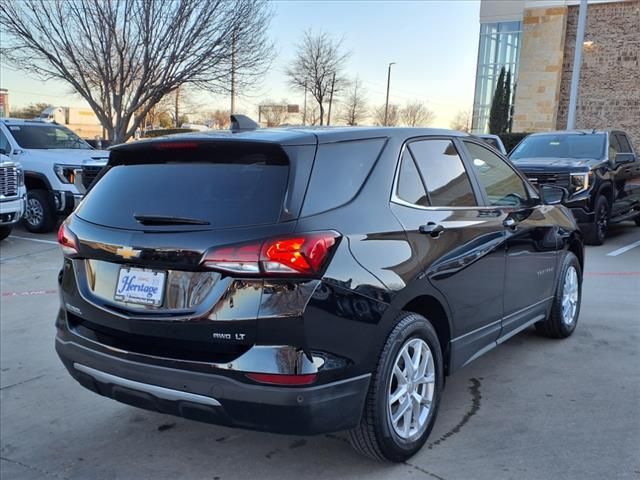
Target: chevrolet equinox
(304,281)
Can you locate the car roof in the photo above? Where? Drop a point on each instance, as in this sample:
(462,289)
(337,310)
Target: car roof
(571,132)
(298,135)
(30,121)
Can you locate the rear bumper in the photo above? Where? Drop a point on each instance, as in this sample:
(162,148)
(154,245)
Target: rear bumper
(216,398)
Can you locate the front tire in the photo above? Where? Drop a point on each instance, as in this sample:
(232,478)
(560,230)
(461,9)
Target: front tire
(563,318)
(39,216)
(597,231)
(404,393)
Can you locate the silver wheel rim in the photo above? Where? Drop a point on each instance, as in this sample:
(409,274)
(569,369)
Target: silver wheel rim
(34,213)
(411,389)
(570,296)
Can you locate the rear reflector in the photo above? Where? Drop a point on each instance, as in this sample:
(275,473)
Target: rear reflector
(67,240)
(275,379)
(300,255)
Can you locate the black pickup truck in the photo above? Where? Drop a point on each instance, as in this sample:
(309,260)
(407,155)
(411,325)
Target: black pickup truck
(599,169)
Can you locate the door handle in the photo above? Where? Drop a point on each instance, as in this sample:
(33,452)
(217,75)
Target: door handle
(433,229)
(510,223)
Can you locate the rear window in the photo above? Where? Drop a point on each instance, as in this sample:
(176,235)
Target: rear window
(339,171)
(249,191)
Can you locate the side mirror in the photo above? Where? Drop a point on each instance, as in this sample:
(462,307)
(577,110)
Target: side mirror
(553,194)
(625,158)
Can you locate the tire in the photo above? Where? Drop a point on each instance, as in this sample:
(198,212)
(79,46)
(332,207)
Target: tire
(637,220)
(597,231)
(39,216)
(561,323)
(5,231)
(376,436)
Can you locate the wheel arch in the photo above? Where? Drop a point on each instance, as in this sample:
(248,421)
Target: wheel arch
(433,310)
(36,181)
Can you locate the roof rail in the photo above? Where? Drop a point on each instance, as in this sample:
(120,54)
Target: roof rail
(242,123)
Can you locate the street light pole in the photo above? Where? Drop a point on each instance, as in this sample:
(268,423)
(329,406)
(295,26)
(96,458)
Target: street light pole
(577,61)
(386,105)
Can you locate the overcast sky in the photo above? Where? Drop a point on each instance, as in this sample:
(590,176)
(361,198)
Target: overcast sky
(434,44)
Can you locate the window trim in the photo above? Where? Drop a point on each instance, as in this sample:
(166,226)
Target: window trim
(533,193)
(479,196)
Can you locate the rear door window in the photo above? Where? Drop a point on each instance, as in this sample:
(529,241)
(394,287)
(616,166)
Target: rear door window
(219,193)
(443,172)
(339,171)
(625,147)
(410,186)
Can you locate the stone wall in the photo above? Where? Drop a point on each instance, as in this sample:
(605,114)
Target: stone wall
(609,89)
(540,70)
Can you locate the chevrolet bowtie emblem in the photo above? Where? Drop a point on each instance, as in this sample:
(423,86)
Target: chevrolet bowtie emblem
(128,252)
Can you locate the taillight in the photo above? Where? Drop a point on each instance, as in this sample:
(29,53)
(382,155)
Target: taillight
(277,379)
(67,240)
(301,255)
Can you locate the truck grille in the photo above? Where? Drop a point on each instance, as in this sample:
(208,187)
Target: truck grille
(89,174)
(9,181)
(560,179)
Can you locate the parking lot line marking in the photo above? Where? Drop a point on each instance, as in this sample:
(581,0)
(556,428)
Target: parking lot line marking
(595,274)
(34,240)
(29,293)
(621,250)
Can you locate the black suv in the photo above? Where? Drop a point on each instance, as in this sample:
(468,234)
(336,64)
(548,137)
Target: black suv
(305,281)
(598,168)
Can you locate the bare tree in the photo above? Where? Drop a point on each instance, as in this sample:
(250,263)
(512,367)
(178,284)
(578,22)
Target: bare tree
(312,115)
(32,110)
(354,110)
(416,114)
(462,121)
(273,113)
(124,56)
(317,67)
(393,115)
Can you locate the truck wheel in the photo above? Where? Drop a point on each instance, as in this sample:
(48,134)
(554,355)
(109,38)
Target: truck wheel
(563,318)
(5,231)
(404,393)
(637,220)
(597,231)
(39,216)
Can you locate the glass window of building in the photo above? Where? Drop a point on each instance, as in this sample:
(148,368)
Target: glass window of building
(499,47)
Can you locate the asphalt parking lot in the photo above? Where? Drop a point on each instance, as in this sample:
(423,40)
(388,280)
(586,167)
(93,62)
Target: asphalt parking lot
(531,409)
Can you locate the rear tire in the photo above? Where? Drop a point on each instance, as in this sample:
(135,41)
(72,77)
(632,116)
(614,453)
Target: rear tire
(39,216)
(5,231)
(563,318)
(597,231)
(398,386)
(637,220)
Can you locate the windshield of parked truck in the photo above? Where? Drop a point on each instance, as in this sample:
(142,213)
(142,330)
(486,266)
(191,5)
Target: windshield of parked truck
(561,146)
(45,137)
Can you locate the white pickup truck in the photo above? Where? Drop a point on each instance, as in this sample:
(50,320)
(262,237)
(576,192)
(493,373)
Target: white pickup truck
(58,168)
(12,195)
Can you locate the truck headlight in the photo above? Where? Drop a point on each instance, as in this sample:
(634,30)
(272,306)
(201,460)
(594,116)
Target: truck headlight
(581,181)
(66,173)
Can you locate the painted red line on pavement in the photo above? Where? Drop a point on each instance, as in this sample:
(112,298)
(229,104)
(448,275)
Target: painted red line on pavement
(29,293)
(596,274)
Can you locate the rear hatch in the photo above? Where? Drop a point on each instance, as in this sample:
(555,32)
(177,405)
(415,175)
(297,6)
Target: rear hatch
(148,223)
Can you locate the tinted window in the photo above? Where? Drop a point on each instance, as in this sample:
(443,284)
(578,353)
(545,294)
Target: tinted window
(625,147)
(410,186)
(443,173)
(561,146)
(46,137)
(222,194)
(4,143)
(614,146)
(339,172)
(501,183)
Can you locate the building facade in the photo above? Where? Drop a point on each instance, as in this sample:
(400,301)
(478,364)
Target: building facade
(535,40)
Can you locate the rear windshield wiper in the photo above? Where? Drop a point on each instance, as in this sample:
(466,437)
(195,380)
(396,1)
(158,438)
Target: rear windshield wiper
(166,220)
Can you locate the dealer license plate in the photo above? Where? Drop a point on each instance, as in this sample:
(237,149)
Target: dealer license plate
(140,286)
